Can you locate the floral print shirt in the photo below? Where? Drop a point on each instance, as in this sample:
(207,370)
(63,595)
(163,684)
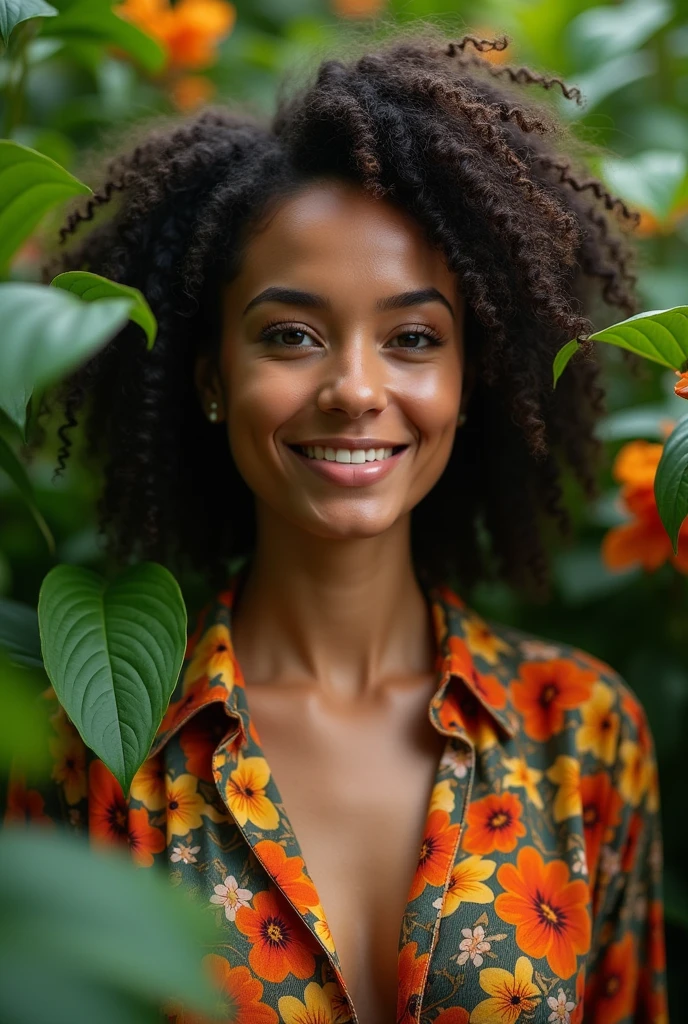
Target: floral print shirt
(537,893)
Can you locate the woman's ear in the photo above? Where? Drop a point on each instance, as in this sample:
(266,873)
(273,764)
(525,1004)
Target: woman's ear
(208,387)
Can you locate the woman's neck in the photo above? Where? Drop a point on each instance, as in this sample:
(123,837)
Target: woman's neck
(344,615)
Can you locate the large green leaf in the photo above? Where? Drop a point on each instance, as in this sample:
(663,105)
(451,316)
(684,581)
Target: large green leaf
(12,12)
(91,287)
(671,481)
(17,474)
(660,335)
(19,635)
(30,184)
(48,333)
(91,21)
(653,180)
(605,31)
(122,938)
(113,651)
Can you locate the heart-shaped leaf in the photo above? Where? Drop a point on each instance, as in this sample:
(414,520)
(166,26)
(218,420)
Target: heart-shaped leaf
(17,474)
(48,333)
(660,335)
(113,651)
(96,22)
(90,287)
(671,481)
(30,184)
(12,12)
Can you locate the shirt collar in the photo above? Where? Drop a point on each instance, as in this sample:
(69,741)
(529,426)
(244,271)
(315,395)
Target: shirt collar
(466,691)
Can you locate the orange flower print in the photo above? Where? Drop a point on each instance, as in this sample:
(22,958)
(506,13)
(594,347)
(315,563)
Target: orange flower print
(549,911)
(241,994)
(245,794)
(467,884)
(411,973)
(565,773)
(148,785)
(69,765)
(24,806)
(494,823)
(454,1015)
(510,995)
(611,994)
(634,776)
(488,687)
(288,873)
(231,897)
(545,689)
(601,814)
(436,852)
(322,928)
(199,739)
(111,823)
(316,1007)
(599,729)
(280,942)
(185,805)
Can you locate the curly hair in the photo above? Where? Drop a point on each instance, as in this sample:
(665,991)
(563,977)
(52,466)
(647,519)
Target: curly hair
(538,245)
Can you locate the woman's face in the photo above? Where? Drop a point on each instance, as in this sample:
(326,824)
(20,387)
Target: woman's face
(342,340)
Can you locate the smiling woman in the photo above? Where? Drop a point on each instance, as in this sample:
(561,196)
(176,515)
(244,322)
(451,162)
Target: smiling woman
(358,303)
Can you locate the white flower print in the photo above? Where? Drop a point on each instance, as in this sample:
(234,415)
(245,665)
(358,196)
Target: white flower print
(184,853)
(231,897)
(610,862)
(458,762)
(580,862)
(539,649)
(473,945)
(560,1007)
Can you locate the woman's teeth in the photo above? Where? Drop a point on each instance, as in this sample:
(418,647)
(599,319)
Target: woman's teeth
(357,455)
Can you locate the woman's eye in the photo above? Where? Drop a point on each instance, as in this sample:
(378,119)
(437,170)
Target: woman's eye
(415,340)
(286,337)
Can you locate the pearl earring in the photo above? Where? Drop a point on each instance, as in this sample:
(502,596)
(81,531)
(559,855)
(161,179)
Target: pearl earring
(212,415)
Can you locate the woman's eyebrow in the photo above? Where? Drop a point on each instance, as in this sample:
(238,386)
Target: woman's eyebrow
(295,297)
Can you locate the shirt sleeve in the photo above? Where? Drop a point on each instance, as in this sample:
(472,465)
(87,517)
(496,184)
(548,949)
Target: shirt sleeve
(626,980)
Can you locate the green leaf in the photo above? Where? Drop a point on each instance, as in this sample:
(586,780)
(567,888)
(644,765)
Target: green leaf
(10,463)
(24,732)
(50,333)
(12,12)
(113,652)
(652,180)
(90,21)
(671,481)
(19,635)
(30,185)
(91,287)
(660,335)
(607,31)
(123,936)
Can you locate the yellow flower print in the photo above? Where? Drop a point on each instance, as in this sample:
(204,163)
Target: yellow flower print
(565,773)
(600,725)
(69,764)
(510,994)
(519,774)
(245,793)
(483,642)
(467,884)
(317,1008)
(184,805)
(634,776)
(148,785)
(212,657)
(442,797)
(322,928)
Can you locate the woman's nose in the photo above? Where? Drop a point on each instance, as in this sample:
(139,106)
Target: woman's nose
(354,380)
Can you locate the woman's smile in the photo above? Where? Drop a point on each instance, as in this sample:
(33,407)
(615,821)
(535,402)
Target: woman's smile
(350,467)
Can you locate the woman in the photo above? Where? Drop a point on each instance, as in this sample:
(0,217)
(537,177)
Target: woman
(359,304)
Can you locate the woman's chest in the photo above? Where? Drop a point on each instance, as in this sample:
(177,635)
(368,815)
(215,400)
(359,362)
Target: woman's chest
(356,790)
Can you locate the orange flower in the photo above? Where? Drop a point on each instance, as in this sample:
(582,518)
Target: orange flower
(199,739)
(454,1015)
(148,785)
(243,993)
(436,852)
(681,386)
(190,30)
(545,689)
(110,823)
(613,987)
(357,8)
(191,91)
(411,973)
(643,540)
(601,814)
(549,911)
(494,823)
(24,805)
(288,873)
(280,942)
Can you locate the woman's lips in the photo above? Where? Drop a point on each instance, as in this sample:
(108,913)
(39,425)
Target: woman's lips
(350,474)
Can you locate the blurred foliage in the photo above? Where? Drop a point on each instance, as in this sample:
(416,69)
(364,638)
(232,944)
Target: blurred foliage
(67,80)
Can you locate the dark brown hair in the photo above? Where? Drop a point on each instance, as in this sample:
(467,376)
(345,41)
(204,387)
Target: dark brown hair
(538,246)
